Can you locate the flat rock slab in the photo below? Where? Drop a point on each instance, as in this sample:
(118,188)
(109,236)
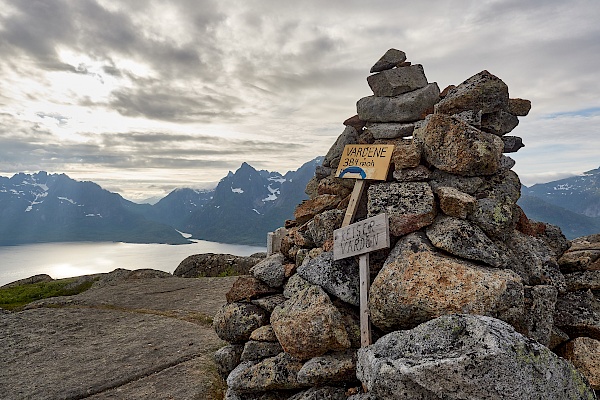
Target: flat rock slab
(148,338)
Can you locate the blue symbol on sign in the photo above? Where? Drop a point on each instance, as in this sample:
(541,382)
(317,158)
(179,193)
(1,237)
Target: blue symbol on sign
(354,170)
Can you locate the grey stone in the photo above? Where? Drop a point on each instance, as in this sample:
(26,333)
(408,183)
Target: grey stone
(330,368)
(499,122)
(578,314)
(271,395)
(269,303)
(470,117)
(271,270)
(519,107)
(466,357)
(482,91)
(393,82)
(273,373)
(332,158)
(234,322)
(339,278)
(453,146)
(214,265)
(309,325)
(323,172)
(497,218)
(389,60)
(512,144)
(586,280)
(419,173)
(255,350)
(295,284)
(227,358)
(467,184)
(537,319)
(321,393)
(506,163)
(407,107)
(409,205)
(390,130)
(463,239)
(246,288)
(418,283)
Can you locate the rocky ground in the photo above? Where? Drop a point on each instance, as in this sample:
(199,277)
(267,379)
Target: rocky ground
(134,338)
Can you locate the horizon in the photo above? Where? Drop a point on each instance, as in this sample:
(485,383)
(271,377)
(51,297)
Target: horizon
(145,98)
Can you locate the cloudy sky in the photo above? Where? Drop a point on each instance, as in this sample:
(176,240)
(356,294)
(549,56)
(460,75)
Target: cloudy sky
(145,96)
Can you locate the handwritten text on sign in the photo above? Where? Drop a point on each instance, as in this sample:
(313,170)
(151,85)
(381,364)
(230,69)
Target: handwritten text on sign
(365,161)
(361,237)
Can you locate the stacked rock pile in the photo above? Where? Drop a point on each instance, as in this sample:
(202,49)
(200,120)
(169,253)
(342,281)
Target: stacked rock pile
(464,303)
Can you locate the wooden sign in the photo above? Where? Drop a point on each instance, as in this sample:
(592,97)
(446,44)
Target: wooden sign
(361,237)
(365,161)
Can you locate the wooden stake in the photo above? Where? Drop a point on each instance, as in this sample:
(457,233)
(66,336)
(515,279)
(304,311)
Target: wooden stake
(365,283)
(357,192)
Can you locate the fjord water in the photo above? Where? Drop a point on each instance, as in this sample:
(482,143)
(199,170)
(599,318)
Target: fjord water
(63,260)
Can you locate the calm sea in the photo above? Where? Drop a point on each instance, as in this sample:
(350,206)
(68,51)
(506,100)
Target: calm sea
(63,260)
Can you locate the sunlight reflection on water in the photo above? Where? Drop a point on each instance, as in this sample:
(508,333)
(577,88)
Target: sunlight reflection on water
(62,260)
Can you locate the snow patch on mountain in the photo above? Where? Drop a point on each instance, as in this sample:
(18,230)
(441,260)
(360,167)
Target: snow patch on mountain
(237,190)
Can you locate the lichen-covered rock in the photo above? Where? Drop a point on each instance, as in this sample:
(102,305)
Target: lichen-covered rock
(248,288)
(333,156)
(390,130)
(321,393)
(417,283)
(227,358)
(578,314)
(587,280)
(584,353)
(338,278)
(482,91)
(309,325)
(330,368)
(497,218)
(468,184)
(409,205)
(392,58)
(466,357)
(463,239)
(320,228)
(407,107)
(455,203)
(255,350)
(453,146)
(270,270)
(294,285)
(273,373)
(393,82)
(234,322)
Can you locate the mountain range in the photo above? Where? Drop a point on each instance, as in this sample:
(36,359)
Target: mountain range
(244,206)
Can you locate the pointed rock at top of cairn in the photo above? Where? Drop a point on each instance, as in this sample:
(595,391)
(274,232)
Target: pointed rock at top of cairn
(389,60)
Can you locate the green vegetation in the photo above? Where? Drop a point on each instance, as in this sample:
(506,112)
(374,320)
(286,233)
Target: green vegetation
(15,298)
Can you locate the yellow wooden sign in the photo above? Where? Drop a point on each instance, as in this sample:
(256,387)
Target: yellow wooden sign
(365,161)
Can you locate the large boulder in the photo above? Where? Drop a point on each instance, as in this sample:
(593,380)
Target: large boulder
(234,322)
(417,283)
(453,146)
(466,357)
(482,91)
(330,368)
(409,205)
(338,278)
(273,373)
(246,288)
(393,82)
(407,107)
(210,264)
(309,325)
(584,353)
(270,270)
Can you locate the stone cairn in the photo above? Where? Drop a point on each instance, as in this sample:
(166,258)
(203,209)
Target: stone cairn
(472,301)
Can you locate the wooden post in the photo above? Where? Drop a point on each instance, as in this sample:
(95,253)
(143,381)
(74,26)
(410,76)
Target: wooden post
(357,192)
(365,283)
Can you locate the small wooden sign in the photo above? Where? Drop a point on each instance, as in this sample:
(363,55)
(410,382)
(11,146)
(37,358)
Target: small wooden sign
(361,237)
(365,161)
